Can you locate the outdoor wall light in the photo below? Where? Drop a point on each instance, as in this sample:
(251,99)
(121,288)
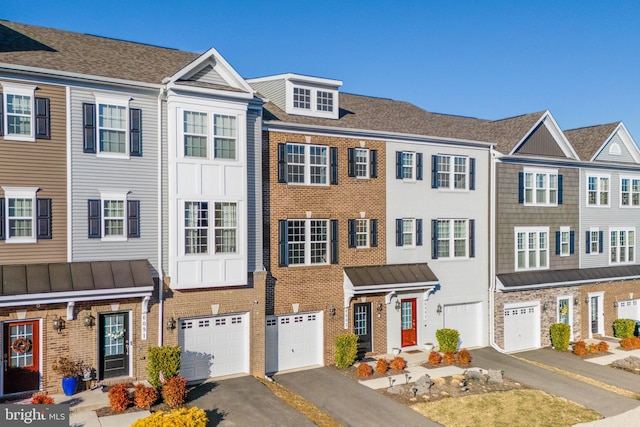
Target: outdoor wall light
(576,301)
(439,309)
(544,307)
(58,324)
(615,303)
(586,299)
(171,324)
(89,321)
(332,310)
(398,305)
(379,307)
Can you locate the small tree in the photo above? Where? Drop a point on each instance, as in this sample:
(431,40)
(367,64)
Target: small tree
(164,359)
(624,328)
(346,350)
(560,336)
(447,339)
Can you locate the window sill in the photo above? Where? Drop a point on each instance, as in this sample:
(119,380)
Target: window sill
(20,138)
(114,239)
(16,240)
(113,156)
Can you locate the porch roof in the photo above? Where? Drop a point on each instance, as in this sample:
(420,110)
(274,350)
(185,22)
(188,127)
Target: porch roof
(575,276)
(74,281)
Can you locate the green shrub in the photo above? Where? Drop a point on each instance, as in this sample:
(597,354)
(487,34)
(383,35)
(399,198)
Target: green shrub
(447,339)
(624,328)
(560,336)
(346,350)
(165,359)
(193,417)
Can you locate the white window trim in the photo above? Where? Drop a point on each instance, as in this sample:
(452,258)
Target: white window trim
(210,135)
(630,178)
(367,232)
(307,242)
(313,111)
(20,193)
(211,229)
(414,167)
(598,191)
(413,233)
(566,230)
(540,171)
(452,173)
(113,195)
(597,231)
(452,239)
(307,165)
(23,90)
(527,230)
(633,245)
(119,101)
(367,173)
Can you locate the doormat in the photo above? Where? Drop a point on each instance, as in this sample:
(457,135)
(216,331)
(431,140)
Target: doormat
(413,352)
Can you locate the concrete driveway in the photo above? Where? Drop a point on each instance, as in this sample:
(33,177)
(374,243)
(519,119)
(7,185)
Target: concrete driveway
(244,401)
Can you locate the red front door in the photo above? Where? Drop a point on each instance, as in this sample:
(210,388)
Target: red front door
(408,322)
(21,356)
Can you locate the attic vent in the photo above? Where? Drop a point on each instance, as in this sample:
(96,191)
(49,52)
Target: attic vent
(614,149)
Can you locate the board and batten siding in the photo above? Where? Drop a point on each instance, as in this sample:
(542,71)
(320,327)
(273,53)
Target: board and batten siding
(511,214)
(605,217)
(209,75)
(254,190)
(138,175)
(40,164)
(164,206)
(606,156)
(274,90)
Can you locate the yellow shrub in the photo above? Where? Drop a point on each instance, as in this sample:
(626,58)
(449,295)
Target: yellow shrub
(183,417)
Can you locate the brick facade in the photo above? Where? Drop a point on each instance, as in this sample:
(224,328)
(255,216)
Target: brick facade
(613,291)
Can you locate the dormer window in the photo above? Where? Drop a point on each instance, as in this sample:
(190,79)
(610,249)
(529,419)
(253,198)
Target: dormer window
(312,98)
(325,101)
(301,98)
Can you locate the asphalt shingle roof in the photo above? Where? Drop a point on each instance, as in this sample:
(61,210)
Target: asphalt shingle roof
(588,140)
(65,51)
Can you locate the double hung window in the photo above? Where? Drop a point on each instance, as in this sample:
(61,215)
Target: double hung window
(630,192)
(597,190)
(197,226)
(532,248)
(211,136)
(623,243)
(305,164)
(540,187)
(304,241)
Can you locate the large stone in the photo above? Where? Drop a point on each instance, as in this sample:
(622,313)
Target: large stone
(424,384)
(631,363)
(495,376)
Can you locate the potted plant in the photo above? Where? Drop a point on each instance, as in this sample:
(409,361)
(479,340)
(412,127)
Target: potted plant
(69,370)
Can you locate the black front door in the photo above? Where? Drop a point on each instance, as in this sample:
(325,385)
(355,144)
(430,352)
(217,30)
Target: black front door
(114,345)
(362,327)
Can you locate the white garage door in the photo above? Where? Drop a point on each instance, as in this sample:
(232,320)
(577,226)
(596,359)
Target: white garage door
(214,346)
(521,326)
(629,309)
(293,341)
(467,320)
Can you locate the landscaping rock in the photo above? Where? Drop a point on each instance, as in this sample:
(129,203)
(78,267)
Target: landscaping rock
(495,376)
(396,389)
(631,363)
(424,384)
(476,376)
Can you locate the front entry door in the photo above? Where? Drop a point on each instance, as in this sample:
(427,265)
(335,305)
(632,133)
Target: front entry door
(21,356)
(362,327)
(114,345)
(595,315)
(408,321)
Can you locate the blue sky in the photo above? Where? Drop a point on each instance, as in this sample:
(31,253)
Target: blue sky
(493,59)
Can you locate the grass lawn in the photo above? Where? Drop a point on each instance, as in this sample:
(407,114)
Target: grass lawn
(508,408)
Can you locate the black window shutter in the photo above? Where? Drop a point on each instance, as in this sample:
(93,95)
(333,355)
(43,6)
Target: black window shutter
(472,173)
(283,244)
(43,118)
(434,239)
(334,241)
(95,219)
(398,164)
(520,187)
(557,243)
(572,242)
(334,165)
(352,162)
(373,223)
(601,241)
(434,171)
(133,218)
(1,116)
(472,238)
(399,239)
(135,132)
(89,126)
(352,233)
(559,189)
(373,168)
(282,163)
(588,241)
(3,234)
(43,219)
(419,166)
(418,232)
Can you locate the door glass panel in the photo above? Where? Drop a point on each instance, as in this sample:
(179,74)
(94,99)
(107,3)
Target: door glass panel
(114,333)
(563,311)
(360,320)
(594,315)
(407,315)
(19,359)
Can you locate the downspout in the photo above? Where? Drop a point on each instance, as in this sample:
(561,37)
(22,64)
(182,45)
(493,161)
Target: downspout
(161,272)
(492,250)
(69,200)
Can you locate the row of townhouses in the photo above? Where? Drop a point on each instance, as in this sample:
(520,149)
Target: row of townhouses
(151,196)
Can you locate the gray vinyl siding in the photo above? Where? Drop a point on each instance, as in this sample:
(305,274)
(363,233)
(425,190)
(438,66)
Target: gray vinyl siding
(254,190)
(604,218)
(138,175)
(511,214)
(274,90)
(209,75)
(624,156)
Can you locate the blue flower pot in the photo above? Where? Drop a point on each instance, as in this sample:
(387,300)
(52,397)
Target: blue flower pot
(69,386)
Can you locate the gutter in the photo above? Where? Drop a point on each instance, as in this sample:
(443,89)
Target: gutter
(492,251)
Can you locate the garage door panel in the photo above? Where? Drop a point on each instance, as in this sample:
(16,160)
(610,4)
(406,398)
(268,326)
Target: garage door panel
(293,341)
(467,320)
(214,346)
(521,327)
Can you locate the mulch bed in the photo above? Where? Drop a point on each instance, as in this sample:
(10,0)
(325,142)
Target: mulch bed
(158,406)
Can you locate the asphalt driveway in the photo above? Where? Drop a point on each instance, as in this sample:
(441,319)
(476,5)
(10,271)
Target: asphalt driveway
(244,401)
